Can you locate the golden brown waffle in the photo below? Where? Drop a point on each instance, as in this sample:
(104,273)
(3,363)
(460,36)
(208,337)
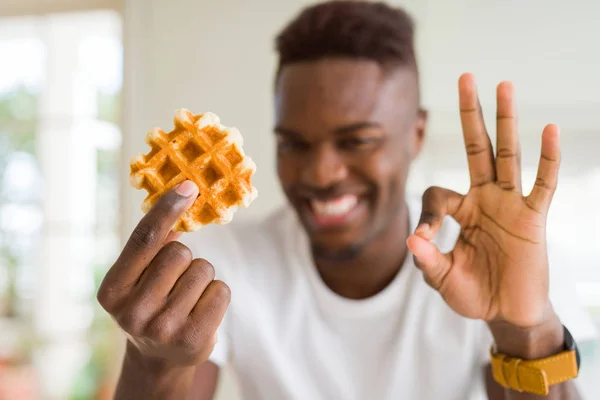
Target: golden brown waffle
(204,151)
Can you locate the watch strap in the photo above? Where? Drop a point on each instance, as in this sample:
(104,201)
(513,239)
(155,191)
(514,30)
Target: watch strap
(534,376)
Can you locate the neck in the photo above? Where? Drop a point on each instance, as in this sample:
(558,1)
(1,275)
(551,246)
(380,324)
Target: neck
(375,267)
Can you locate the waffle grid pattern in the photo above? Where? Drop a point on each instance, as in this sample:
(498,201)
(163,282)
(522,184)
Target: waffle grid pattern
(200,149)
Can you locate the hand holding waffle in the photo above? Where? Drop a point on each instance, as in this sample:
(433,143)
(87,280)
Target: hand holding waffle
(168,303)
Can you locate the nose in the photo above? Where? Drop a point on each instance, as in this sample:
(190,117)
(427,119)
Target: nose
(325,168)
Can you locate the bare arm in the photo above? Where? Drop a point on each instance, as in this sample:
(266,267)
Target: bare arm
(205,383)
(154,379)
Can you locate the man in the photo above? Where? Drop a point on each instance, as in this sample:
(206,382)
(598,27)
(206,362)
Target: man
(327,301)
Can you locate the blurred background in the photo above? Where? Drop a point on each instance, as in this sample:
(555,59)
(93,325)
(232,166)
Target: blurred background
(82,81)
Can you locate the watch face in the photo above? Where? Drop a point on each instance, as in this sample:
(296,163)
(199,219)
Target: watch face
(571,345)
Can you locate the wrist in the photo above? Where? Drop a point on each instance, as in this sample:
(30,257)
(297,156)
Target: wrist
(153,367)
(152,378)
(531,343)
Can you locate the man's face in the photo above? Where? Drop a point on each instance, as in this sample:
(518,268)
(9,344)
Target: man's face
(347,132)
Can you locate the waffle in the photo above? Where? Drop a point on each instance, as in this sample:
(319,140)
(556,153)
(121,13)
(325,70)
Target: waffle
(204,151)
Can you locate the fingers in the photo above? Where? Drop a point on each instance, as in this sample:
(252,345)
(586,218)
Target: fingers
(547,176)
(477,142)
(207,315)
(190,287)
(430,260)
(164,271)
(135,307)
(183,328)
(437,203)
(213,303)
(183,338)
(508,152)
(150,234)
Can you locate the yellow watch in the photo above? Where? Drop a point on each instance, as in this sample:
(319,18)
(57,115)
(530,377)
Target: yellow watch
(536,376)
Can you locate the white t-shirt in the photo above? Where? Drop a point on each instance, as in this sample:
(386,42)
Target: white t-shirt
(288,336)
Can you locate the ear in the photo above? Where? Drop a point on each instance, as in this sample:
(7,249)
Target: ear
(419,134)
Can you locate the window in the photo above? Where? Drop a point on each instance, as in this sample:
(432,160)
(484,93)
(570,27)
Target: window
(59,178)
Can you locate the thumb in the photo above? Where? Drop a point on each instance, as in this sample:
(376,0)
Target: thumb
(430,260)
(437,203)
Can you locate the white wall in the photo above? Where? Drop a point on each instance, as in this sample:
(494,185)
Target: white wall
(546,47)
(217,55)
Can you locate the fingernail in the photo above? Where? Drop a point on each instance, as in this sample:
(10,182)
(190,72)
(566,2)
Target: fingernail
(186,189)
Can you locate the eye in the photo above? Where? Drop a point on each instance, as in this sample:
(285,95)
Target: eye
(357,143)
(289,144)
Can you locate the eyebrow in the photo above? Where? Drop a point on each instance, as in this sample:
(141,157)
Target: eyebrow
(348,129)
(279,130)
(342,130)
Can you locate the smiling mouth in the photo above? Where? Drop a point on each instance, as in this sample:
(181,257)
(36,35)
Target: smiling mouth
(333,212)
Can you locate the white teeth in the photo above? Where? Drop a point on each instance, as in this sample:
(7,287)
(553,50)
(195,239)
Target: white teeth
(335,207)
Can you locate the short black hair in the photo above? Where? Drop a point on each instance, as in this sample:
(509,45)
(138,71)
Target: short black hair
(372,31)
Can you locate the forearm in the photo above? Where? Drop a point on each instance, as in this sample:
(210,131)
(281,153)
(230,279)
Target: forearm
(143,379)
(531,344)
